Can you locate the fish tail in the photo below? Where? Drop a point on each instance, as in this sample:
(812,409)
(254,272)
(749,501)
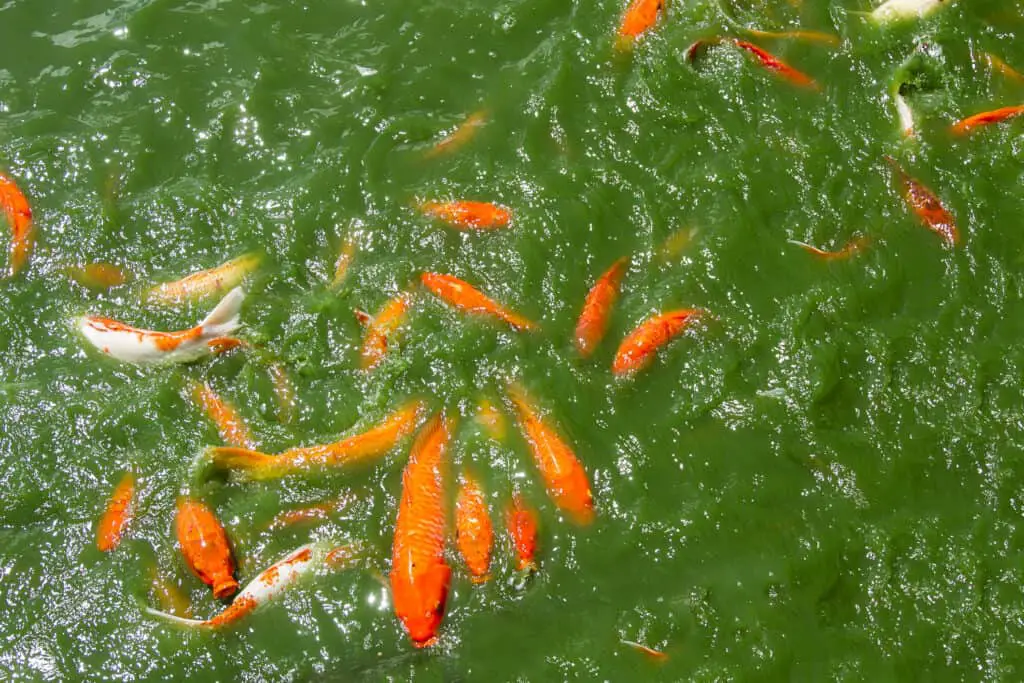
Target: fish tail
(173,618)
(223,320)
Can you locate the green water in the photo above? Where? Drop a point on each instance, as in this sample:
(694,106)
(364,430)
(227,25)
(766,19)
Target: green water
(823,483)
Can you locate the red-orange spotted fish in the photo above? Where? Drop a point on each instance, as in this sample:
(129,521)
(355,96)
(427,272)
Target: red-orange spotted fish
(637,350)
(564,476)
(986,118)
(926,205)
(19,215)
(205,547)
(230,425)
(117,515)
(466,215)
(593,321)
(474,534)
(773,63)
(374,442)
(522,530)
(379,329)
(419,574)
(464,296)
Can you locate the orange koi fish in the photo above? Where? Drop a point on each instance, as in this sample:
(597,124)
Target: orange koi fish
(492,420)
(310,513)
(522,529)
(852,248)
(269,584)
(985,118)
(419,573)
(98,276)
(466,131)
(169,595)
(1003,68)
(773,63)
(656,655)
(284,392)
(564,476)
(118,513)
(593,322)
(379,328)
(205,283)
(640,16)
(204,545)
(474,534)
(19,215)
(134,345)
(374,442)
(232,428)
(465,215)
(341,266)
(827,39)
(637,349)
(926,205)
(463,295)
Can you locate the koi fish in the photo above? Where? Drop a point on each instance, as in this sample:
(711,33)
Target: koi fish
(464,296)
(639,17)
(1003,68)
(522,530)
(474,534)
(284,392)
(985,118)
(637,350)
(828,39)
(676,243)
(773,63)
(656,655)
(564,476)
(593,321)
(169,595)
(419,573)
(852,247)
(926,205)
(466,131)
(98,276)
(310,513)
(269,584)
(205,283)
(341,266)
(204,544)
(492,420)
(899,10)
(232,428)
(378,330)
(906,116)
(134,345)
(118,513)
(465,215)
(19,215)
(348,451)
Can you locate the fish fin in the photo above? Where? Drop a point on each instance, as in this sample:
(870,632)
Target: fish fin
(223,320)
(172,618)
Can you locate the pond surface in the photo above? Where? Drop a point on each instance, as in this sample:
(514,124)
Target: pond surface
(821,482)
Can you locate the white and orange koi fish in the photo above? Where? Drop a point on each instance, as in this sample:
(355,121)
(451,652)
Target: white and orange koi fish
(270,583)
(132,345)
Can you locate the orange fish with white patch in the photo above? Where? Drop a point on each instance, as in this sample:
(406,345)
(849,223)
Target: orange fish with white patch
(467,215)
(773,63)
(593,321)
(204,544)
(379,330)
(269,584)
(986,118)
(19,215)
(232,428)
(419,574)
(117,515)
(148,347)
(522,530)
(464,296)
(637,350)
(926,205)
(474,534)
(563,474)
(206,283)
(372,443)
(639,17)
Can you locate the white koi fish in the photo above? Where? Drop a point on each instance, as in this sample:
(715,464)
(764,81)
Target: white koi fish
(898,10)
(270,583)
(132,345)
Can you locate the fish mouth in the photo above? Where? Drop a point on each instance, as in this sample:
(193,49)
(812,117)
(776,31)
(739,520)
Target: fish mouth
(225,588)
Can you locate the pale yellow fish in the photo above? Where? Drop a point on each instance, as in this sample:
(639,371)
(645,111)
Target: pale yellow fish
(676,243)
(492,419)
(1003,68)
(818,37)
(206,283)
(345,258)
(284,392)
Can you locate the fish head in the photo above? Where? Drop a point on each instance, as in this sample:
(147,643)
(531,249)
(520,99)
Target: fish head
(424,623)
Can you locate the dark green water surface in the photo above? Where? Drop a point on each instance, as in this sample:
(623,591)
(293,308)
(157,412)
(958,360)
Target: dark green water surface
(822,483)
